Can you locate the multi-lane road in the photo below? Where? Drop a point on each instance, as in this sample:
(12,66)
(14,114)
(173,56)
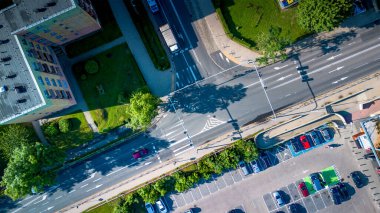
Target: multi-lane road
(201,111)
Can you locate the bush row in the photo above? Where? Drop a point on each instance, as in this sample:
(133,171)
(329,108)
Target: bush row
(184,179)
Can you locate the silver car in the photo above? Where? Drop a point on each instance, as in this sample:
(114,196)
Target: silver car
(278,198)
(325,134)
(161,206)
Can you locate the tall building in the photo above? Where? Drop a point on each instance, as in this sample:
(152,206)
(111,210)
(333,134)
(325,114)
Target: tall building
(32,83)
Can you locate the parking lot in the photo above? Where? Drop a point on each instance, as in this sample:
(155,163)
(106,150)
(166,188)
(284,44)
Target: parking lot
(252,193)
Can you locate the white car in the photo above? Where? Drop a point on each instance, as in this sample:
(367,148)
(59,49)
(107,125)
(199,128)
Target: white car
(161,206)
(149,208)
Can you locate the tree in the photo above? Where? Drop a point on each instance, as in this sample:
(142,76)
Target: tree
(149,194)
(228,159)
(30,168)
(126,205)
(181,182)
(322,15)
(13,136)
(164,185)
(91,66)
(64,125)
(247,150)
(142,108)
(51,129)
(272,45)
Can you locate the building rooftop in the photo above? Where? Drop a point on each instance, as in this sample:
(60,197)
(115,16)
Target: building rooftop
(18,89)
(26,13)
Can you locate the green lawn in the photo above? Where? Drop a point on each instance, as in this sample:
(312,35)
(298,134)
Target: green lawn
(118,75)
(330,176)
(148,35)
(108,207)
(79,134)
(244,20)
(109,32)
(309,185)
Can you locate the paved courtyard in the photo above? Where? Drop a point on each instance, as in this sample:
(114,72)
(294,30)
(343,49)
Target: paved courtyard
(252,193)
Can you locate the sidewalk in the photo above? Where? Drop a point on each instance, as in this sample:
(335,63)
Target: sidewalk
(159,82)
(171,165)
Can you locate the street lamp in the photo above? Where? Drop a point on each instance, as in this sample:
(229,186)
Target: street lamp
(264,87)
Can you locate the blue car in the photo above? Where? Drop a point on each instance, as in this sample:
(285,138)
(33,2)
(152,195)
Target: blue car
(317,181)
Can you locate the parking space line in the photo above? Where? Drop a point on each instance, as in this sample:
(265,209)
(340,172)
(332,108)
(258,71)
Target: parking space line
(230,172)
(322,200)
(183,198)
(198,191)
(175,201)
(223,181)
(192,195)
(209,188)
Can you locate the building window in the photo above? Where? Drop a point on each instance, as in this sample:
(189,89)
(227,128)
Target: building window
(46,30)
(35,66)
(51,92)
(53,82)
(58,94)
(68,94)
(40,80)
(46,94)
(44,48)
(59,83)
(65,84)
(38,46)
(47,81)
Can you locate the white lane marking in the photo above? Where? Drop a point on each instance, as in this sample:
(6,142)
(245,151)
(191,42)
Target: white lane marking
(177,75)
(342,79)
(221,55)
(174,136)
(337,69)
(166,135)
(309,61)
(91,176)
(361,65)
(176,124)
(288,95)
(182,147)
(158,156)
(249,85)
(333,57)
(351,43)
(305,171)
(97,186)
(282,78)
(45,203)
(84,185)
(50,208)
(177,142)
(278,68)
(72,191)
(192,147)
(58,197)
(96,180)
(147,163)
(228,60)
(212,123)
(192,73)
(121,168)
(329,65)
(112,161)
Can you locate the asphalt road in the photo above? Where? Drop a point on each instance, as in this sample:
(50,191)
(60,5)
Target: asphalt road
(213,106)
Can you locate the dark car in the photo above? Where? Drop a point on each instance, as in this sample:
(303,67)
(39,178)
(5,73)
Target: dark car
(140,153)
(305,142)
(356,177)
(293,208)
(325,134)
(343,191)
(315,137)
(317,181)
(335,195)
(264,156)
(297,146)
(302,187)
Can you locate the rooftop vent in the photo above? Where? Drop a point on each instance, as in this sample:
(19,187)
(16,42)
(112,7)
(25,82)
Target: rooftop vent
(20,89)
(40,10)
(3,89)
(51,4)
(20,101)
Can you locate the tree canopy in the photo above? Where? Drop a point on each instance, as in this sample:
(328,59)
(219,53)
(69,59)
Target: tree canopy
(142,108)
(13,136)
(272,45)
(30,167)
(322,15)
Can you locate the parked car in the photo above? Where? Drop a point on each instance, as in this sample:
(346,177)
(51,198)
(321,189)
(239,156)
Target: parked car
(325,134)
(149,208)
(315,137)
(278,198)
(161,206)
(140,153)
(244,168)
(264,156)
(255,167)
(335,195)
(189,211)
(297,146)
(317,181)
(356,177)
(302,187)
(293,208)
(305,142)
(343,191)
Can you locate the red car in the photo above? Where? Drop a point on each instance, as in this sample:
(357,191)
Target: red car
(140,153)
(305,142)
(302,187)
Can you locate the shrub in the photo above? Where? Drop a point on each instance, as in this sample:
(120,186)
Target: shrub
(51,129)
(91,66)
(64,125)
(122,98)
